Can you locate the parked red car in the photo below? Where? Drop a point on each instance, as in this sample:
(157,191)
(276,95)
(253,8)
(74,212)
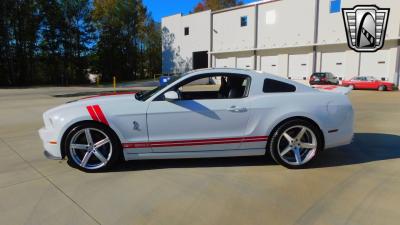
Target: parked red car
(368,82)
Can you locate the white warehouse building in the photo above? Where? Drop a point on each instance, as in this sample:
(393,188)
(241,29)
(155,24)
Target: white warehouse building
(290,38)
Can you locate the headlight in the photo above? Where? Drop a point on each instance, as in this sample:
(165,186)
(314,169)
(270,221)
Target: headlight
(51,122)
(48,122)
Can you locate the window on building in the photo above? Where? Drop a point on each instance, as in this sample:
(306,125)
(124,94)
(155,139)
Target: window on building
(274,86)
(186,31)
(243,21)
(335,6)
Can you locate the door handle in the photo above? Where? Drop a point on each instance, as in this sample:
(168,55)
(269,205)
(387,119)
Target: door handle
(237,109)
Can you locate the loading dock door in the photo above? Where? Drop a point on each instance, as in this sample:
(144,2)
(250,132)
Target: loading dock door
(298,66)
(375,64)
(228,62)
(200,60)
(269,64)
(334,62)
(245,62)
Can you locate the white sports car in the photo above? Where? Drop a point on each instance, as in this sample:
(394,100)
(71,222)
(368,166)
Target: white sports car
(204,113)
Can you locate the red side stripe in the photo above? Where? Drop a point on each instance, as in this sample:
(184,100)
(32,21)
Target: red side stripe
(92,113)
(194,142)
(100,114)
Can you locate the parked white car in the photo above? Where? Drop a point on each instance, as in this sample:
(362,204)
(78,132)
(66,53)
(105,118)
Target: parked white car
(247,113)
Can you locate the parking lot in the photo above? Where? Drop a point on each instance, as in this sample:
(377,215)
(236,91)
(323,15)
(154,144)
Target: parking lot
(355,184)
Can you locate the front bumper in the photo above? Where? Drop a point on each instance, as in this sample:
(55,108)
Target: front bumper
(51,150)
(50,156)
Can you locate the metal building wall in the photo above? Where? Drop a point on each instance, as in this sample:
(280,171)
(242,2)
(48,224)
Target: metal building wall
(293,38)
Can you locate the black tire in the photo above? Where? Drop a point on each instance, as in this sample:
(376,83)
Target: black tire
(114,153)
(382,88)
(352,87)
(278,133)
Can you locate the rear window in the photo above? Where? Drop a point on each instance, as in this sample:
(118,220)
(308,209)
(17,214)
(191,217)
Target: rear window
(274,86)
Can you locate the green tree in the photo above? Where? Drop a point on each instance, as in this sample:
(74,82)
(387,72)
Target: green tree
(56,41)
(125,30)
(66,33)
(19,22)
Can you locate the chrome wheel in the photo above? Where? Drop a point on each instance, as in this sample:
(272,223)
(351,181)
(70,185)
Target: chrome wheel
(90,148)
(297,145)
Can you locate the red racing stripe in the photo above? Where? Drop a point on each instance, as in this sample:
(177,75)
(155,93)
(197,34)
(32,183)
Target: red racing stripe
(92,113)
(194,142)
(100,114)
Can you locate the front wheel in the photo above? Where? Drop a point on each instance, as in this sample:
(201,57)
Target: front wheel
(92,147)
(295,143)
(382,88)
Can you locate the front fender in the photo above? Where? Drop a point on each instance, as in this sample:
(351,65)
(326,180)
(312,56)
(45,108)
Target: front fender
(67,117)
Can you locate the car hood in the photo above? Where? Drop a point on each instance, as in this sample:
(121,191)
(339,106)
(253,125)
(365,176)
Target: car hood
(104,99)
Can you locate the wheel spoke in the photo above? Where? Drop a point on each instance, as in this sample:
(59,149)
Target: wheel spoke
(286,150)
(301,133)
(79,146)
(86,159)
(297,155)
(100,156)
(288,137)
(102,142)
(88,137)
(307,145)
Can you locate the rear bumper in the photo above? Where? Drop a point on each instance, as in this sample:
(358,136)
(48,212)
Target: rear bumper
(51,150)
(343,134)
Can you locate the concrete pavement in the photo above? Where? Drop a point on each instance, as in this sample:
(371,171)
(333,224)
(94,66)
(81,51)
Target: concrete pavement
(355,184)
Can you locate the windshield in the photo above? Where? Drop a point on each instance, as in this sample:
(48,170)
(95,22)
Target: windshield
(144,95)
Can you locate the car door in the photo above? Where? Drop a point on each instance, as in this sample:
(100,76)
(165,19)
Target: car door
(197,124)
(374,84)
(363,83)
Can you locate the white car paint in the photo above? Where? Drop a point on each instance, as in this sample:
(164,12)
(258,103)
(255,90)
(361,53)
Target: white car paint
(204,128)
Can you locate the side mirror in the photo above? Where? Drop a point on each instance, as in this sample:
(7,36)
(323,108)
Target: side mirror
(171,96)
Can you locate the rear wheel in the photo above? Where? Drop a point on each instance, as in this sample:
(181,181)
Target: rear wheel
(296,143)
(382,88)
(92,147)
(351,86)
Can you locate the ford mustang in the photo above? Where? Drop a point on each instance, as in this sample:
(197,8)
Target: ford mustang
(204,113)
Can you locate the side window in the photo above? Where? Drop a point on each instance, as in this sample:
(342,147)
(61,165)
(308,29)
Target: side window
(274,86)
(186,31)
(213,86)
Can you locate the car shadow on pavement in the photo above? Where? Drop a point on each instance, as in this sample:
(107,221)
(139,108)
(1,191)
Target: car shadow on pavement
(192,163)
(366,147)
